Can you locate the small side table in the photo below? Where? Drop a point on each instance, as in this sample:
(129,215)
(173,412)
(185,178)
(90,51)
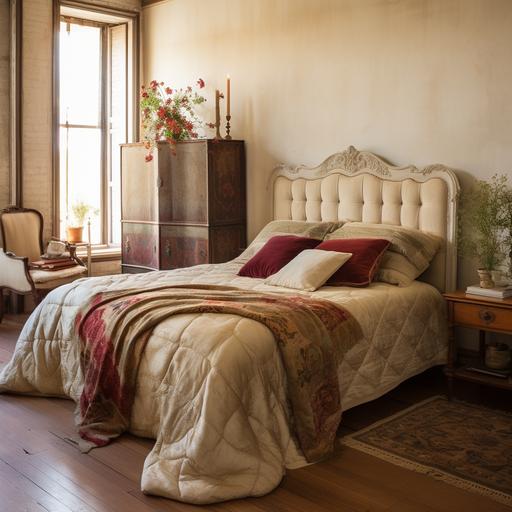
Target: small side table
(486,315)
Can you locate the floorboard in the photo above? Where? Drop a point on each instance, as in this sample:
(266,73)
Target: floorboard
(42,470)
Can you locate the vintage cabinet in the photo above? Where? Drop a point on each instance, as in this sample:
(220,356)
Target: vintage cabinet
(186,207)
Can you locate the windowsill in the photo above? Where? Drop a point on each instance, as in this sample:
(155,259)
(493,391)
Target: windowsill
(100,252)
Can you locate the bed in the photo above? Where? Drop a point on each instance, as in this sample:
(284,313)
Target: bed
(211,387)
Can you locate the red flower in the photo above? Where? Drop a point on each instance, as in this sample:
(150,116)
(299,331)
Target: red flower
(168,90)
(188,125)
(149,157)
(200,82)
(144,94)
(161,112)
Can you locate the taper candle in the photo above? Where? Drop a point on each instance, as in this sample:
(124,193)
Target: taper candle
(228,99)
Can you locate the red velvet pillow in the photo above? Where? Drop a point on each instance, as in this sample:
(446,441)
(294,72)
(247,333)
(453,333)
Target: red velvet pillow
(275,254)
(361,267)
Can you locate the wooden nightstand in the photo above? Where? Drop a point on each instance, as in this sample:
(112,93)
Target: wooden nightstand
(486,315)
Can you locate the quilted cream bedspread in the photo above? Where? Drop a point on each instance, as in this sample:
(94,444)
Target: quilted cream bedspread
(228,430)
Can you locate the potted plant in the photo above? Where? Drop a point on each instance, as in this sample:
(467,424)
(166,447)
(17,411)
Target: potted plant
(169,114)
(505,219)
(80,212)
(481,226)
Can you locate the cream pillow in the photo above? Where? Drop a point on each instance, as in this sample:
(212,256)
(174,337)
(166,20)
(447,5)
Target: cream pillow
(308,229)
(396,269)
(418,247)
(309,270)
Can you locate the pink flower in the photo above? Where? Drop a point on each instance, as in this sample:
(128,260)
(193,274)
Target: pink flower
(149,157)
(144,94)
(168,90)
(200,82)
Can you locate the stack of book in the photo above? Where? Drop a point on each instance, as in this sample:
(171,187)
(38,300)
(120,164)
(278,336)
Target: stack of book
(53,264)
(498,292)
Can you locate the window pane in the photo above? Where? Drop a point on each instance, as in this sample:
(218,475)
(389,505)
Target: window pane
(118,125)
(80,74)
(80,176)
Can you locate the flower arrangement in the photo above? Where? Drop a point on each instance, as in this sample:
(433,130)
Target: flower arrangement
(169,114)
(486,222)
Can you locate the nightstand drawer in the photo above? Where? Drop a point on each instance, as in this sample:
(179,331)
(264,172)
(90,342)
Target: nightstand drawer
(482,316)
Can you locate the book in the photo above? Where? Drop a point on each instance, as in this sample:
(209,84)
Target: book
(498,292)
(53,265)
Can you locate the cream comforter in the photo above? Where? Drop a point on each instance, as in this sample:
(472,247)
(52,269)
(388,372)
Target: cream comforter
(228,429)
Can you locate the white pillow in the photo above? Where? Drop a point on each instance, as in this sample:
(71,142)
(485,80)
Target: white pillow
(309,270)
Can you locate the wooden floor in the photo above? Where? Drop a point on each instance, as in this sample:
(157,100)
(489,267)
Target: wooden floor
(41,470)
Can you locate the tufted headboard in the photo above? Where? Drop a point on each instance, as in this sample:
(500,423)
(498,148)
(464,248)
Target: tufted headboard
(360,186)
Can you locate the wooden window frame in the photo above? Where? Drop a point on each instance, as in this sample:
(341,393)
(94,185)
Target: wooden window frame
(132,103)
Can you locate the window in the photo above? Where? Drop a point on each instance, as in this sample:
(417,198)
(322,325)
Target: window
(95,84)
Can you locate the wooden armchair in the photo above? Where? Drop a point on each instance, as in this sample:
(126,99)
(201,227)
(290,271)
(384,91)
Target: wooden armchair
(22,235)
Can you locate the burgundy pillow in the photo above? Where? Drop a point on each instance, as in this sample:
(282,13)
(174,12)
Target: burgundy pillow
(275,254)
(361,267)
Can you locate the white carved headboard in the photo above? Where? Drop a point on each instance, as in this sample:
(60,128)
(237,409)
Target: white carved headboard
(360,186)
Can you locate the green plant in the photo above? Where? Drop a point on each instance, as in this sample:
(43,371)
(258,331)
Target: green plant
(505,219)
(81,210)
(481,221)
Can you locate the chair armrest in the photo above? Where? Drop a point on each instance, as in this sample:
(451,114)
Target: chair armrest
(14,272)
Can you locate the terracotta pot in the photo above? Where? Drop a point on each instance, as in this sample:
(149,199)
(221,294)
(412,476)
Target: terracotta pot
(485,278)
(74,234)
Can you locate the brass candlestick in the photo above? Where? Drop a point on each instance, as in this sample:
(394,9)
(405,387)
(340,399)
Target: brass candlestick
(218,96)
(228,127)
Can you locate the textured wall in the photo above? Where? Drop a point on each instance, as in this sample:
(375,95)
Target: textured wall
(417,81)
(37,108)
(4,103)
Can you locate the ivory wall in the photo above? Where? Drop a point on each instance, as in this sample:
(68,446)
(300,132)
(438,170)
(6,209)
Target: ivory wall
(416,81)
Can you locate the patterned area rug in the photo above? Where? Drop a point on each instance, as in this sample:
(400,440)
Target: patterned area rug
(461,444)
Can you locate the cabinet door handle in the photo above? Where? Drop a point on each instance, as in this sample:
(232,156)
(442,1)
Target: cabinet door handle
(486,316)
(127,246)
(167,248)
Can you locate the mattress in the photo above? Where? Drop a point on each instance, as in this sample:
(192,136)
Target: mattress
(216,381)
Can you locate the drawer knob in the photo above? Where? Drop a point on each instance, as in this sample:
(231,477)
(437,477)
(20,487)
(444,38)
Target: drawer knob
(127,246)
(487,316)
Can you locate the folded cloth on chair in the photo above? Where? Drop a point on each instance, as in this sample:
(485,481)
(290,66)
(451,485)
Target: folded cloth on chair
(311,334)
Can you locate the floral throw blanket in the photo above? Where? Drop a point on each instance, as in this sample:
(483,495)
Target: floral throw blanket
(312,335)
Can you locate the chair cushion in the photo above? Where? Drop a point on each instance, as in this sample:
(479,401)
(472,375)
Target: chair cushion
(42,278)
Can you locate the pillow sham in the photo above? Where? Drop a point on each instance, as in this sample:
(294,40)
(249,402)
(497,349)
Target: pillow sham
(275,254)
(417,246)
(396,269)
(307,229)
(308,270)
(362,266)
